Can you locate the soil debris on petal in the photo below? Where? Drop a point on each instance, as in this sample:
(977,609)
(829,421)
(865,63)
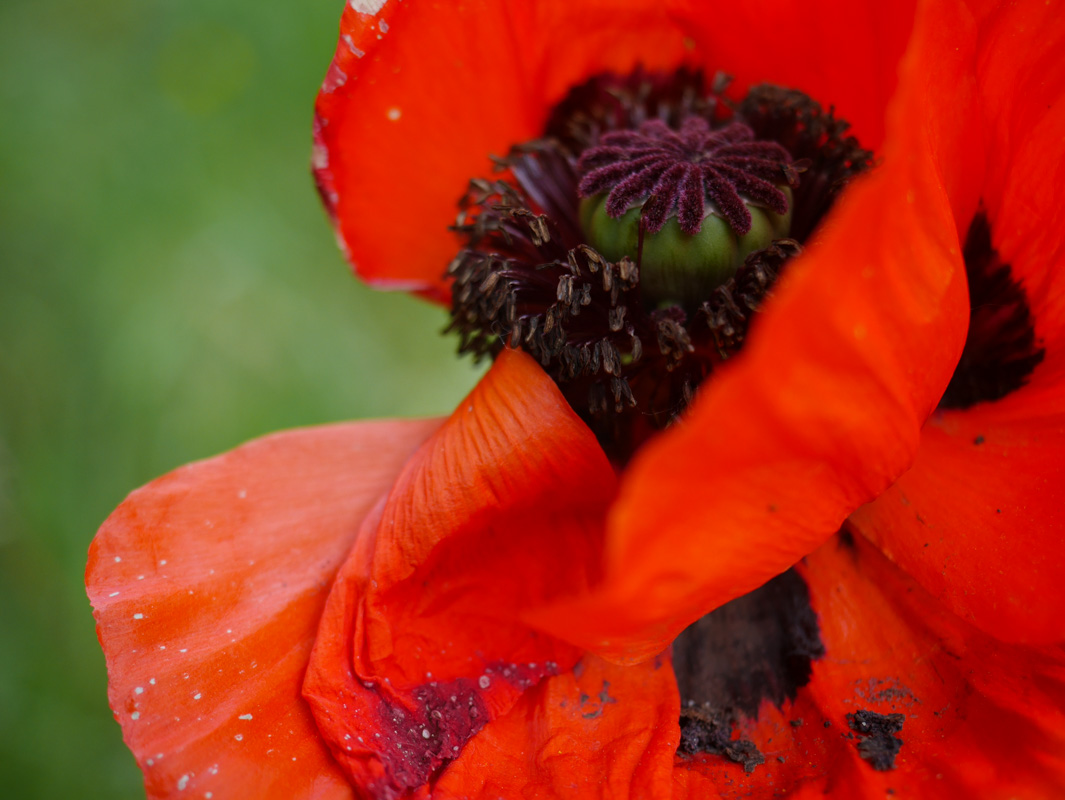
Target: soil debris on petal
(878,745)
(702,731)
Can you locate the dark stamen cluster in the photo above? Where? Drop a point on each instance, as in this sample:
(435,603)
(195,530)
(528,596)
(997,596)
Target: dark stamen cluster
(818,141)
(568,309)
(528,278)
(666,169)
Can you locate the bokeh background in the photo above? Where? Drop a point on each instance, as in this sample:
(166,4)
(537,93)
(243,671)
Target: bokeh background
(169,287)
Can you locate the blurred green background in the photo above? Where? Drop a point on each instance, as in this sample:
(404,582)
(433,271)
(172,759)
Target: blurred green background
(170,288)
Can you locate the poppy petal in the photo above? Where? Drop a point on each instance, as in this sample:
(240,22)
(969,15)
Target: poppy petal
(207,586)
(971,705)
(599,731)
(838,52)
(435,89)
(420,643)
(978,719)
(979,519)
(1022,81)
(823,409)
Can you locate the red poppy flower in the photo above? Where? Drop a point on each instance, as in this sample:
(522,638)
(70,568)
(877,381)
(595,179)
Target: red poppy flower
(485,607)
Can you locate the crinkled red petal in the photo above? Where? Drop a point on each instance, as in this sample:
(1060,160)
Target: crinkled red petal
(823,410)
(598,731)
(420,95)
(420,643)
(980,518)
(207,587)
(979,719)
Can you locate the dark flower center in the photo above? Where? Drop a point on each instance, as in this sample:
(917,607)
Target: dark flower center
(1001,349)
(760,647)
(629,248)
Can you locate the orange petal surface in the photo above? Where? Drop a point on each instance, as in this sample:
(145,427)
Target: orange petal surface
(207,586)
(420,643)
(980,519)
(823,409)
(420,95)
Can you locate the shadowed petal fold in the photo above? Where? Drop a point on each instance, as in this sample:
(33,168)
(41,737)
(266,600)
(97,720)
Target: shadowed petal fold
(420,643)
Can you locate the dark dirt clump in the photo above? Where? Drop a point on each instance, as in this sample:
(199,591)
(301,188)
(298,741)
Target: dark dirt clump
(878,745)
(705,732)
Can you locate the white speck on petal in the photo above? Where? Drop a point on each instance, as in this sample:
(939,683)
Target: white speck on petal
(383,26)
(425,733)
(351,46)
(367,6)
(183,781)
(239,737)
(334,79)
(139,690)
(197,696)
(394,114)
(320,156)
(113,594)
(138,616)
(162,563)
(151,681)
(135,715)
(118,559)
(244,716)
(484,681)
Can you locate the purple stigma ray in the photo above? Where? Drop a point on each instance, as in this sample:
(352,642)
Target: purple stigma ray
(667,170)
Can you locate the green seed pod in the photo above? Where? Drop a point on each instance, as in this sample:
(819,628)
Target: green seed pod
(675,267)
